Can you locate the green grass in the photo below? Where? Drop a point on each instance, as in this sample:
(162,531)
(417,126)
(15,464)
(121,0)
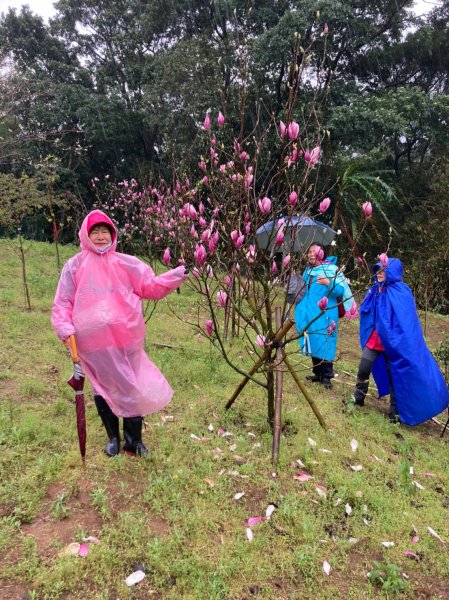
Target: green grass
(175,513)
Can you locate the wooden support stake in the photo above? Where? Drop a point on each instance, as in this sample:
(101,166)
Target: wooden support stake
(278,399)
(305,393)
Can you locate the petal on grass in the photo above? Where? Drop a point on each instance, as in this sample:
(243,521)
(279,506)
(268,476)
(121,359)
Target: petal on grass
(134,578)
(356,467)
(410,553)
(311,442)
(300,463)
(435,534)
(354,445)
(71,549)
(415,539)
(249,534)
(302,476)
(327,568)
(91,538)
(321,491)
(348,509)
(388,544)
(84,549)
(270,510)
(255,521)
(239,495)
(418,485)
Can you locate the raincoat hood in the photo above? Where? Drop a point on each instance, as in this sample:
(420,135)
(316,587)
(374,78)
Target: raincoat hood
(393,271)
(94,218)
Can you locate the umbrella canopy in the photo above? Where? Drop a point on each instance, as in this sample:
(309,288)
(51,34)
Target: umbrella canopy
(77,383)
(300,233)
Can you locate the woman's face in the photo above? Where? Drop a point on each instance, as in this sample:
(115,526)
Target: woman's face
(312,254)
(381,275)
(100,236)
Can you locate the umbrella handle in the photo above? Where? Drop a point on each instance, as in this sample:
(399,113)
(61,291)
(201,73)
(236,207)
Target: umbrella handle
(73,350)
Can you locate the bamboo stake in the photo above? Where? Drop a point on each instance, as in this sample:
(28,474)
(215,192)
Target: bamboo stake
(278,398)
(305,393)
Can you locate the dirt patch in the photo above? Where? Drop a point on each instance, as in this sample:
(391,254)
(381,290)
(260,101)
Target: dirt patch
(13,591)
(52,533)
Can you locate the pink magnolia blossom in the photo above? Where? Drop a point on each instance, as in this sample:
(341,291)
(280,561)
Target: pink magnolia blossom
(265,205)
(205,236)
(293,157)
(251,254)
(234,235)
(324,205)
(220,119)
(322,303)
(200,254)
(248,180)
(201,208)
(206,124)
(282,129)
(209,326)
(360,260)
(274,267)
(244,155)
(202,166)
(260,340)
(331,327)
(383,260)
(221,299)
(228,281)
(202,222)
(279,238)
(312,157)
(293,130)
(188,210)
(166,258)
(286,261)
(205,180)
(239,242)
(367,209)
(293,198)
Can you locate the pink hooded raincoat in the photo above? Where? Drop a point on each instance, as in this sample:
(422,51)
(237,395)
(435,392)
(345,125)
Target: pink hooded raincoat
(99,299)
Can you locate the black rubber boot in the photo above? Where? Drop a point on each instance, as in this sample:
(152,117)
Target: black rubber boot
(327,372)
(317,376)
(110,422)
(132,432)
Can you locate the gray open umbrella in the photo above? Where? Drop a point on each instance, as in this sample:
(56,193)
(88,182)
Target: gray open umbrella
(300,233)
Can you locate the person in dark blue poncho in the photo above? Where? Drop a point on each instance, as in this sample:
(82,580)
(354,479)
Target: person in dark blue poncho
(395,351)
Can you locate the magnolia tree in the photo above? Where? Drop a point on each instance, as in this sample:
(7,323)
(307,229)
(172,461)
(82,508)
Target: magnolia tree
(238,224)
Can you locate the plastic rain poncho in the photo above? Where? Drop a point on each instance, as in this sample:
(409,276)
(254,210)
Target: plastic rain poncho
(99,300)
(419,386)
(319,330)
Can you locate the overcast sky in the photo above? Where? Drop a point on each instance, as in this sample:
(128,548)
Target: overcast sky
(45,7)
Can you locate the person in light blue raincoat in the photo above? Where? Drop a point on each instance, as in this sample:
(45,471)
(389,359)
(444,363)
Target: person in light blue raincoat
(395,350)
(318,328)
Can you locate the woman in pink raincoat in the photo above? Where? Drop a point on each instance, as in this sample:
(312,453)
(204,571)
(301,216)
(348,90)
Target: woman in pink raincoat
(99,300)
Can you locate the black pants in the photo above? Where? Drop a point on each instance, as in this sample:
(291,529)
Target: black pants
(365,367)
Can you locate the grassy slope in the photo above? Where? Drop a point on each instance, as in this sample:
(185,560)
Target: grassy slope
(176,513)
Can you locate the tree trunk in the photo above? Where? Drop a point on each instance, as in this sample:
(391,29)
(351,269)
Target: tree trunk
(26,292)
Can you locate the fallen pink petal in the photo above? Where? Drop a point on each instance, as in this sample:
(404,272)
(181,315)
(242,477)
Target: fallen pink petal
(435,534)
(410,553)
(255,521)
(302,476)
(84,549)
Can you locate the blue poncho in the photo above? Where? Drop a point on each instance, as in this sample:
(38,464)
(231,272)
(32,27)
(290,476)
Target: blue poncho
(319,338)
(419,386)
